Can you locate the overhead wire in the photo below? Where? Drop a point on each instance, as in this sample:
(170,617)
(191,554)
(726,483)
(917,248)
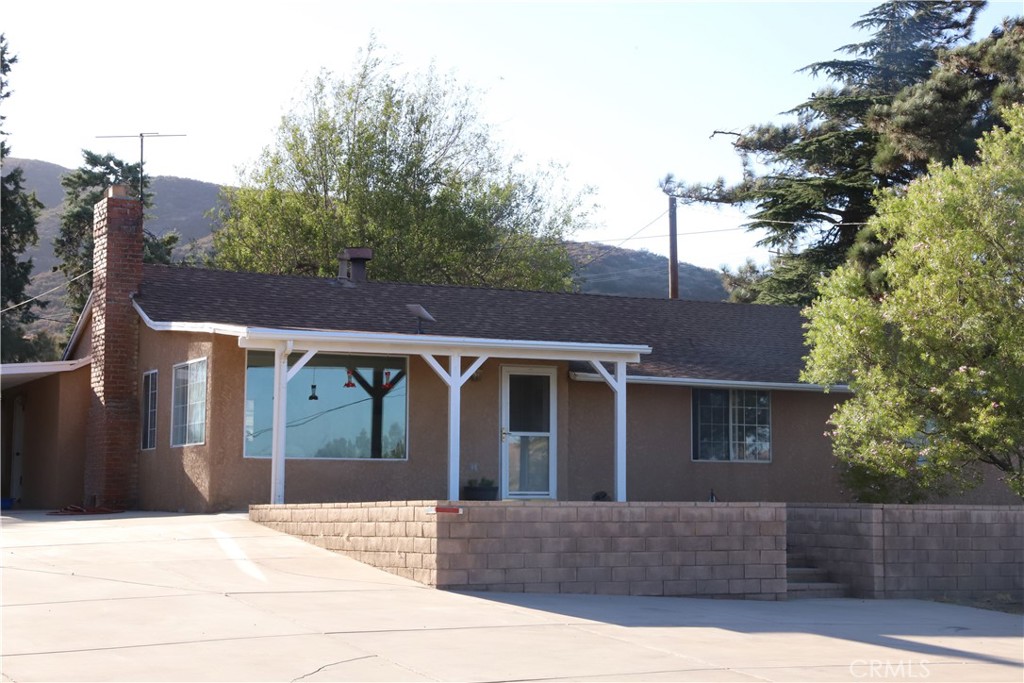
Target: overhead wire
(601,255)
(620,241)
(39,296)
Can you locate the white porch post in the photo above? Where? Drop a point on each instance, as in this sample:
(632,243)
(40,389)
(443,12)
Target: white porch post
(454,425)
(620,431)
(454,377)
(280,411)
(282,375)
(618,387)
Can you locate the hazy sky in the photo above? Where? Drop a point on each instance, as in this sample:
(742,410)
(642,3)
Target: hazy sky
(620,93)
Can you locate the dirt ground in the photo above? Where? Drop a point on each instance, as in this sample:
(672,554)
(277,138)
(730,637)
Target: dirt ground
(999,603)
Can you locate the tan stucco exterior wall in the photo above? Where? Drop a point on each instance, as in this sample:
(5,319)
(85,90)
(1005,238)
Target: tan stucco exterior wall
(175,478)
(481,416)
(53,455)
(659,448)
(241,481)
(83,348)
(215,475)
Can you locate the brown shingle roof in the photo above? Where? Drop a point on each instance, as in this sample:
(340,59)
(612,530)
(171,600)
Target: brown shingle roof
(692,339)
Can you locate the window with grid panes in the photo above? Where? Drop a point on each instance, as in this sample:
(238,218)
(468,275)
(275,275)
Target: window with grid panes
(732,425)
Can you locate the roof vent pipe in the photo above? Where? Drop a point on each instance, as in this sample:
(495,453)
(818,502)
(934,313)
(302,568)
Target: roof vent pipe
(352,263)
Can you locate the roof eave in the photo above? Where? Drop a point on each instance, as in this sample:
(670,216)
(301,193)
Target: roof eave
(203,327)
(698,382)
(14,374)
(386,342)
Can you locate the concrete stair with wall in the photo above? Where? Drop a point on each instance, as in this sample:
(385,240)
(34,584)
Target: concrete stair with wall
(803,580)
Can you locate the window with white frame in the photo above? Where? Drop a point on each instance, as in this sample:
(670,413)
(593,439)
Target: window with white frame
(732,425)
(149,410)
(188,403)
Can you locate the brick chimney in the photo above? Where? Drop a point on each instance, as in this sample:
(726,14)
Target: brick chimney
(112,440)
(352,263)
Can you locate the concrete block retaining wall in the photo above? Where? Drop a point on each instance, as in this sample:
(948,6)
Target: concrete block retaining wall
(914,551)
(733,550)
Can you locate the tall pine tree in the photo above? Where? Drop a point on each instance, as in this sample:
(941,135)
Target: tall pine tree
(812,182)
(83,188)
(18,213)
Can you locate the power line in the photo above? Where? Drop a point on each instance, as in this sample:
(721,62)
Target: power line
(39,296)
(682,234)
(609,250)
(705,232)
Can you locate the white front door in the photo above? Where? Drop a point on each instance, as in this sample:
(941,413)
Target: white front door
(528,430)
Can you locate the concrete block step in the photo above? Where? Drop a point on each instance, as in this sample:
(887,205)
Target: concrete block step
(806,574)
(796,590)
(797,560)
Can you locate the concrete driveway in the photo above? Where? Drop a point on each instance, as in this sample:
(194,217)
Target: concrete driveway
(161,597)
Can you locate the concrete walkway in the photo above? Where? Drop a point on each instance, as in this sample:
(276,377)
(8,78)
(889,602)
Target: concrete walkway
(160,597)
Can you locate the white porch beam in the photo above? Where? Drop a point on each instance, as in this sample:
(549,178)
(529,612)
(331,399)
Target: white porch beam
(301,363)
(471,369)
(618,387)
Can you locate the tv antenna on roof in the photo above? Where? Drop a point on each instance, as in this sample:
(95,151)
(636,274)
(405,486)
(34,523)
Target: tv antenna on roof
(421,314)
(142,141)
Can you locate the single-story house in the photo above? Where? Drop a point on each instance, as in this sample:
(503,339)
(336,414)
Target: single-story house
(203,390)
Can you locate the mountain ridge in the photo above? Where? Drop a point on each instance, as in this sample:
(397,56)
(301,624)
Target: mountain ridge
(184,205)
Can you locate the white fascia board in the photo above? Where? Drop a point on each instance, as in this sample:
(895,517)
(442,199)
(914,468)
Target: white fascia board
(210,328)
(16,374)
(83,319)
(43,367)
(717,383)
(373,342)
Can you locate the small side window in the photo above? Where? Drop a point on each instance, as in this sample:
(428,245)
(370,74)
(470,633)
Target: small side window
(149,385)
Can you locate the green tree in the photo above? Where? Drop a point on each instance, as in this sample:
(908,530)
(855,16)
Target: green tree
(743,284)
(83,188)
(404,166)
(935,362)
(19,211)
(943,117)
(811,183)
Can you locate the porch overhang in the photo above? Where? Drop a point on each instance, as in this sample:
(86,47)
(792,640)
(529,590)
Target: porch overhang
(14,374)
(426,344)
(477,350)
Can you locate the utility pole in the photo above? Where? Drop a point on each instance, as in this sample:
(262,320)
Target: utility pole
(673,253)
(142,141)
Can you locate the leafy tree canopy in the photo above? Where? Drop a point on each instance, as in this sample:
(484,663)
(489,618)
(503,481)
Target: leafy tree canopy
(19,211)
(811,183)
(404,166)
(83,188)
(935,362)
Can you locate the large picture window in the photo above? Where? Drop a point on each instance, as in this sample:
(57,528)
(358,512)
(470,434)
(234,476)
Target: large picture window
(149,410)
(339,406)
(188,404)
(732,424)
